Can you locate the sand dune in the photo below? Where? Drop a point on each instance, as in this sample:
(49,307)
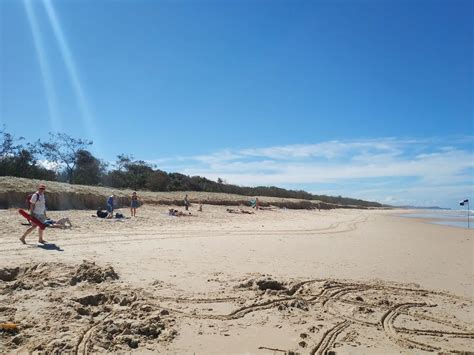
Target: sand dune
(62,196)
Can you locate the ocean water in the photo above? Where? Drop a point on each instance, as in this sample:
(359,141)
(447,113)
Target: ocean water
(454,218)
(458,224)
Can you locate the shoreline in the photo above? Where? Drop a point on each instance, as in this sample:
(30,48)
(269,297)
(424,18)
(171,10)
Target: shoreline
(454,219)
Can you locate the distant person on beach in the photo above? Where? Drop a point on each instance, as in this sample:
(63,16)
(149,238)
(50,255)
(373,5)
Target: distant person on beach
(242,211)
(254,203)
(37,209)
(101,214)
(62,223)
(134,204)
(110,206)
(186,202)
(107,215)
(176,213)
(200,207)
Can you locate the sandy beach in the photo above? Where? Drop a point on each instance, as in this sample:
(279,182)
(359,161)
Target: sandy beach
(271,282)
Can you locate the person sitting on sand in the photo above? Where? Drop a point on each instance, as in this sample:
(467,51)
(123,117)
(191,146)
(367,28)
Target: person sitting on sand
(63,223)
(134,204)
(254,203)
(101,214)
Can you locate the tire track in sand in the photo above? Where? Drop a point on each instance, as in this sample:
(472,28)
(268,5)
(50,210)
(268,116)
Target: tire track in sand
(329,338)
(347,226)
(81,346)
(388,319)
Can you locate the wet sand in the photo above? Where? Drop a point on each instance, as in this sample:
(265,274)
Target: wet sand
(351,281)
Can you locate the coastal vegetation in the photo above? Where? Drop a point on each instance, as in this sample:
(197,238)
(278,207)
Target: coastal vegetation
(63,158)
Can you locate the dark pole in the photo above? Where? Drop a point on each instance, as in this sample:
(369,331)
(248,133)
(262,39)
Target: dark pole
(468,215)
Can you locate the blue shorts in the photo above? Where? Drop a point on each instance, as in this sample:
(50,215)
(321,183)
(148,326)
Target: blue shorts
(110,208)
(134,204)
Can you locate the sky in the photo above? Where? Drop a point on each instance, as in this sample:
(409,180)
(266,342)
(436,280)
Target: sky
(360,98)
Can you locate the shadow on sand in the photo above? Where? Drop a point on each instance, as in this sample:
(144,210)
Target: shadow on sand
(50,246)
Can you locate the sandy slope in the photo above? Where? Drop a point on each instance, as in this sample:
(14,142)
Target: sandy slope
(63,196)
(303,281)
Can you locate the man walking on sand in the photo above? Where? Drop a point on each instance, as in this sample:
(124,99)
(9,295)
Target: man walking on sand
(38,210)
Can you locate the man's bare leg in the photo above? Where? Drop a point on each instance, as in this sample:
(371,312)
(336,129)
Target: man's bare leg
(41,240)
(28,231)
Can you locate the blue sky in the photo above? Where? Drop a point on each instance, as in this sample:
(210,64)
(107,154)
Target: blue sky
(367,99)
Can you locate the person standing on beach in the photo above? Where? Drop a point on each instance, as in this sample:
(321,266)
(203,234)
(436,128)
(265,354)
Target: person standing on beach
(134,204)
(37,210)
(186,202)
(110,206)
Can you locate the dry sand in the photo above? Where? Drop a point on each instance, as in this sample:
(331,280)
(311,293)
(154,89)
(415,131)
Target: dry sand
(349,281)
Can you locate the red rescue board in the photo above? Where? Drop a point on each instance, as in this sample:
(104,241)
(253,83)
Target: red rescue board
(32,219)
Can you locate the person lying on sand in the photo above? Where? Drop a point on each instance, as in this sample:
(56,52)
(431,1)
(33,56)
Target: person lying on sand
(176,213)
(230,210)
(269,208)
(103,214)
(63,223)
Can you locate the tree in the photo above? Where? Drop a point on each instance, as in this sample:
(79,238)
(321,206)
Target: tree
(123,161)
(7,144)
(158,181)
(136,174)
(63,150)
(20,161)
(89,169)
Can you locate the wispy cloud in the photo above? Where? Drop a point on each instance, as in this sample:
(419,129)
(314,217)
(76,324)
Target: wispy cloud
(424,167)
(50,165)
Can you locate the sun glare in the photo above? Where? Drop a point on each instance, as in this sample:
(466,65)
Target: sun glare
(50,94)
(73,73)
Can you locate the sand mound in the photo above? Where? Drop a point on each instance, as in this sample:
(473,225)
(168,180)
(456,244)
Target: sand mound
(31,277)
(263,284)
(269,284)
(90,272)
(9,274)
(38,276)
(65,308)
